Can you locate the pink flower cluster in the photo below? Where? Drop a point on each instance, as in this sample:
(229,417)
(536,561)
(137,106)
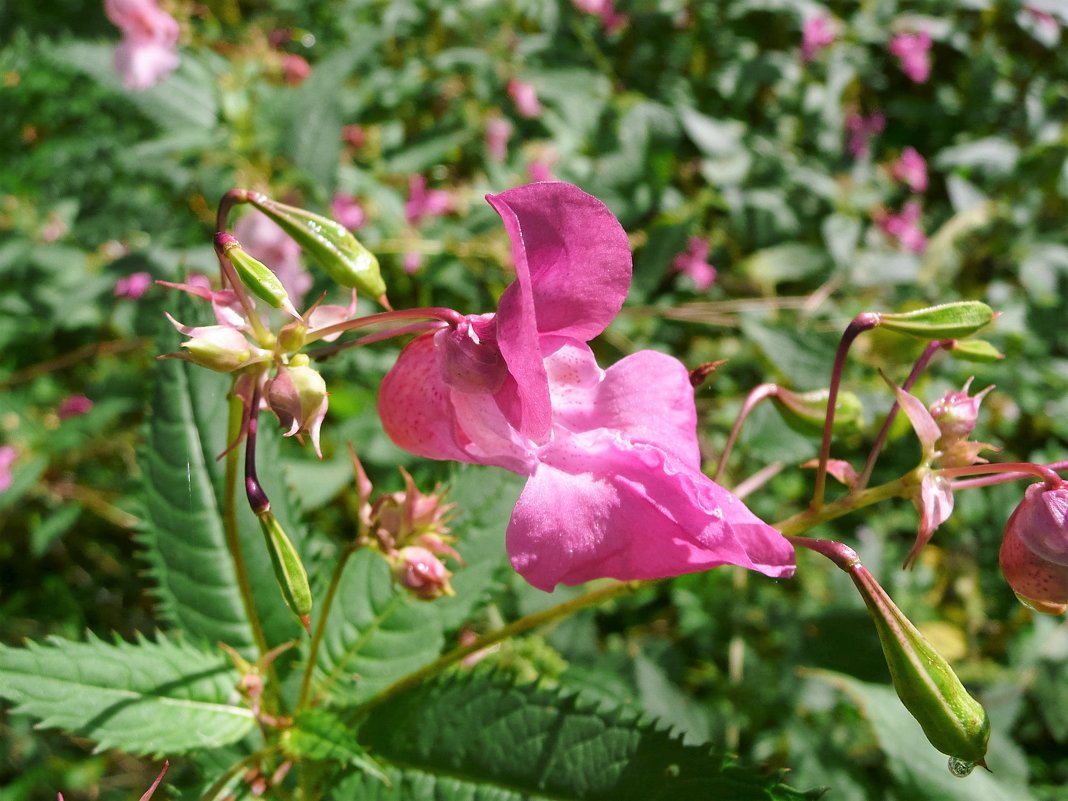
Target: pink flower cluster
(816,34)
(913,52)
(149,49)
(614,484)
(525,97)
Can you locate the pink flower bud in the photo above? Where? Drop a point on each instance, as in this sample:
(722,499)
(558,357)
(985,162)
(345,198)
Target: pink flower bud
(418,570)
(217,347)
(8,455)
(133,286)
(525,97)
(297,396)
(74,406)
(957,412)
(295,69)
(1034,550)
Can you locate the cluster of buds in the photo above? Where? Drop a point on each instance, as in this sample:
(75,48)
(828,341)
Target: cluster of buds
(410,529)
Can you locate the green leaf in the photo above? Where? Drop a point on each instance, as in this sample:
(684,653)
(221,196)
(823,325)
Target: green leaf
(480,736)
(318,734)
(772,266)
(160,698)
(976,350)
(950,320)
(376,633)
(184,540)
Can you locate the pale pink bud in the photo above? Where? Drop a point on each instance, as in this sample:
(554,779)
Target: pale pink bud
(911,170)
(956,412)
(297,396)
(816,34)
(347,211)
(498,132)
(913,51)
(525,97)
(74,406)
(418,570)
(1034,551)
(217,347)
(133,286)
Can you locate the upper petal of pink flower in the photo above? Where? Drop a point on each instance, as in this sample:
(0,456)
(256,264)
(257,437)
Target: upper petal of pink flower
(599,506)
(142,20)
(144,63)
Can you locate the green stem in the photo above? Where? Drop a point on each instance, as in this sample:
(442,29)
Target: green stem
(524,624)
(317,635)
(809,518)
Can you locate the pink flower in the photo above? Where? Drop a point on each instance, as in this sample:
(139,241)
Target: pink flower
(541,169)
(611,20)
(525,98)
(8,455)
(412,262)
(904,226)
(1034,551)
(861,130)
(423,202)
(74,406)
(694,263)
(354,135)
(913,51)
(295,69)
(149,50)
(133,286)
(614,486)
(265,240)
(498,132)
(420,571)
(911,170)
(816,34)
(347,211)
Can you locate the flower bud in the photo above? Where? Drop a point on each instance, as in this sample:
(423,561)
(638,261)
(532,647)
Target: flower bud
(297,396)
(956,413)
(403,518)
(217,347)
(1034,550)
(254,274)
(331,244)
(420,571)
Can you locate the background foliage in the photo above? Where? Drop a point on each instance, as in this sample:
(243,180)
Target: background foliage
(694,119)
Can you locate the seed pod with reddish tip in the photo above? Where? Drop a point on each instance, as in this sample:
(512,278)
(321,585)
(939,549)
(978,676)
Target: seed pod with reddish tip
(1034,550)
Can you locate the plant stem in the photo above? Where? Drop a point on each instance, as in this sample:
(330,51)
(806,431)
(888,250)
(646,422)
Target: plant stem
(857,499)
(1001,478)
(317,635)
(755,396)
(1026,468)
(435,313)
(864,321)
(524,624)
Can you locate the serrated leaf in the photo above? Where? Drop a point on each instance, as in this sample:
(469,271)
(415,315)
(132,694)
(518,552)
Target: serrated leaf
(480,736)
(318,734)
(376,633)
(946,321)
(159,698)
(185,541)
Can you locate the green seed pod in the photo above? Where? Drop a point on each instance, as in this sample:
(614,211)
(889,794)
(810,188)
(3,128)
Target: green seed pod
(288,569)
(254,274)
(947,321)
(954,722)
(331,244)
(806,411)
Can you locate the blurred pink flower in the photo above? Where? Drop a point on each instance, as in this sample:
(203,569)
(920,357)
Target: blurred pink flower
(74,406)
(423,202)
(412,262)
(498,132)
(8,455)
(694,263)
(911,170)
(816,34)
(913,51)
(903,226)
(347,211)
(133,286)
(540,169)
(149,49)
(354,135)
(614,487)
(264,239)
(861,130)
(295,69)
(611,20)
(525,98)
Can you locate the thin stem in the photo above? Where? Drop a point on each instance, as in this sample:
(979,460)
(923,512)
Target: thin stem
(435,313)
(1001,478)
(755,396)
(839,553)
(320,628)
(228,201)
(1041,471)
(412,328)
(257,498)
(864,321)
(809,518)
(917,369)
(524,624)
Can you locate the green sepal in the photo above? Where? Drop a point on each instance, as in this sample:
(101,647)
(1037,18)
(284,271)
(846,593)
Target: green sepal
(806,411)
(329,243)
(976,350)
(288,568)
(948,321)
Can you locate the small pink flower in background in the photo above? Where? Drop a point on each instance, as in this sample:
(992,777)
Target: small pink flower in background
(348,211)
(611,20)
(295,69)
(133,286)
(911,170)
(412,262)
(541,168)
(694,264)
(913,51)
(74,406)
(904,226)
(423,202)
(861,130)
(498,132)
(614,487)
(816,34)
(8,455)
(354,135)
(149,49)
(264,239)
(525,98)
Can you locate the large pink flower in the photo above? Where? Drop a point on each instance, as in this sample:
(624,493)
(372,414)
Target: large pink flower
(615,486)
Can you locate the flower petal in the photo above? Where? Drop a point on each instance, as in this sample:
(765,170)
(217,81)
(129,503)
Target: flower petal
(600,507)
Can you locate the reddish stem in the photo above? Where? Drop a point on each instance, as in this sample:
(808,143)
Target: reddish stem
(257,498)
(1022,469)
(229,200)
(754,397)
(1001,478)
(449,316)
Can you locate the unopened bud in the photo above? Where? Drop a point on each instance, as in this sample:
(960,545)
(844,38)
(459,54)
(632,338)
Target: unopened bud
(956,413)
(331,244)
(255,275)
(297,395)
(1034,550)
(288,569)
(217,347)
(421,572)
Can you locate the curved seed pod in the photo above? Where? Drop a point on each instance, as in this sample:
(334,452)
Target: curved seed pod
(256,275)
